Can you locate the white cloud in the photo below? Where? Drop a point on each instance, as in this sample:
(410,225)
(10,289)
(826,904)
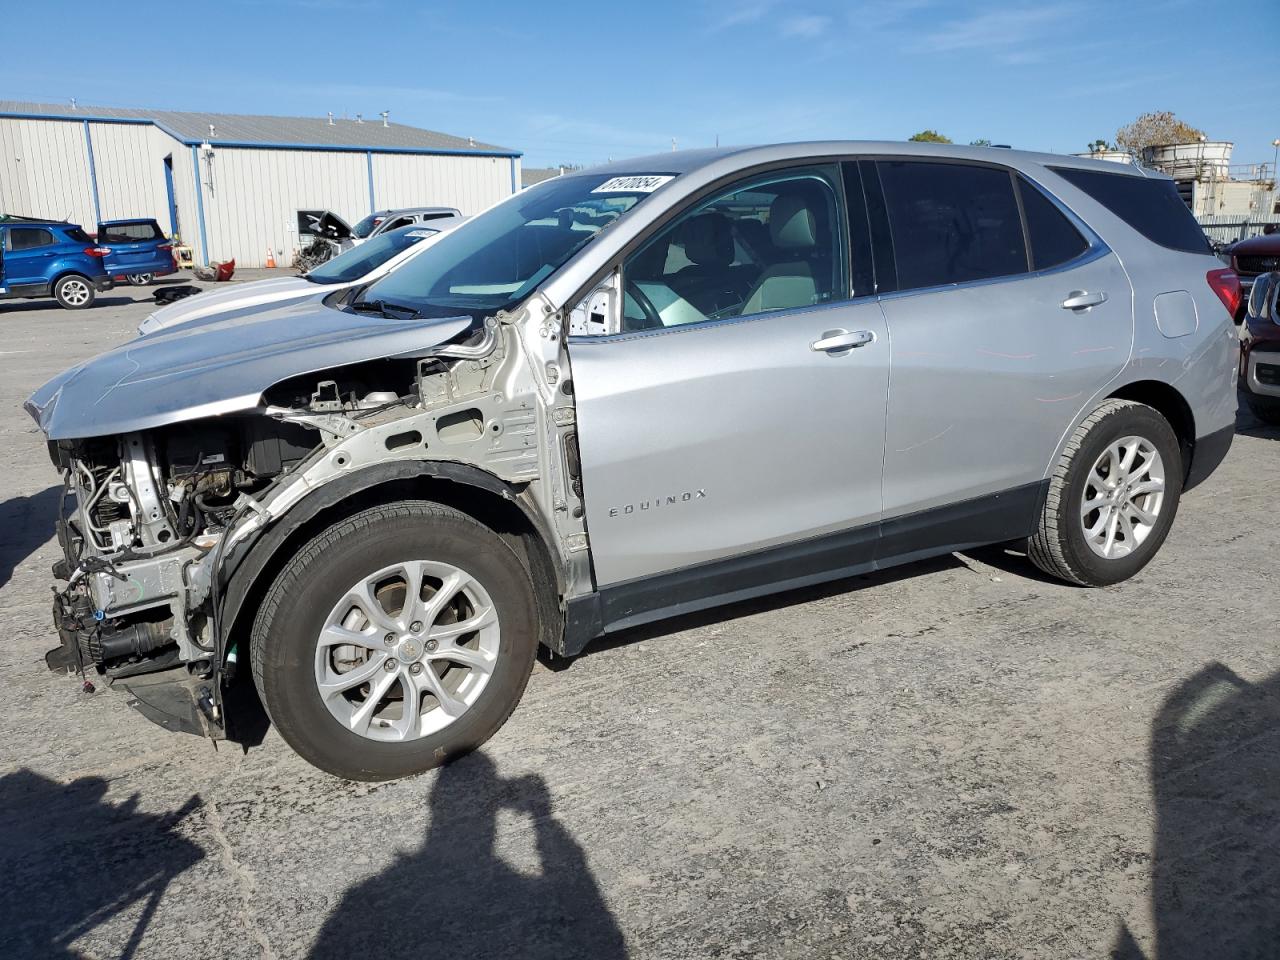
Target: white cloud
(809,25)
(995,29)
(740,15)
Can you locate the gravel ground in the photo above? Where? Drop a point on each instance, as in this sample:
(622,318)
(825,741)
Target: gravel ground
(954,759)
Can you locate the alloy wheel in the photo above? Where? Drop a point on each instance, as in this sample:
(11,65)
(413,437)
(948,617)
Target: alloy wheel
(1122,497)
(407,650)
(75,292)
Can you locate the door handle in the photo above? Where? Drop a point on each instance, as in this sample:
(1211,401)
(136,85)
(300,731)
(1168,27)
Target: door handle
(1083,300)
(837,341)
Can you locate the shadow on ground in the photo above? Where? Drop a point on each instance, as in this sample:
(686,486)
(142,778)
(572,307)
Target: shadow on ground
(1250,426)
(1215,772)
(25,524)
(72,861)
(455,897)
(34,306)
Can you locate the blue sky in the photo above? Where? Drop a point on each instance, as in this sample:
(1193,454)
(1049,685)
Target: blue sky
(583,82)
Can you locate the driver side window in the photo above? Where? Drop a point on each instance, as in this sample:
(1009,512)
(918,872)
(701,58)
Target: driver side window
(773,243)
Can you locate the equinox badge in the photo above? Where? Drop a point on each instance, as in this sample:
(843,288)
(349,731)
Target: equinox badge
(657,502)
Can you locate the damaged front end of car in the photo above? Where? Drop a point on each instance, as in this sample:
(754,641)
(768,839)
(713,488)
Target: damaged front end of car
(185,458)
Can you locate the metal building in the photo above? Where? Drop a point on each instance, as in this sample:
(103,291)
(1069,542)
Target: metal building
(231,185)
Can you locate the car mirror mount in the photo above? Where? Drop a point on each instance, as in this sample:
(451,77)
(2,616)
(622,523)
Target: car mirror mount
(597,314)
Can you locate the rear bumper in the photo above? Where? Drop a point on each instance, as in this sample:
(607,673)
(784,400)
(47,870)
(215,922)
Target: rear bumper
(102,284)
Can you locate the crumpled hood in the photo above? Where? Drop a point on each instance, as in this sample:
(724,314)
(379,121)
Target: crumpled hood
(230,298)
(221,365)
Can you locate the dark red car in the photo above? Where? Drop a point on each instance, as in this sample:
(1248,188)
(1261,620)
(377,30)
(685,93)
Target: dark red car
(1255,256)
(1260,347)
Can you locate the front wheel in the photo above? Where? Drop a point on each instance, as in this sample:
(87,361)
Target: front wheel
(395,640)
(1112,498)
(73,292)
(141,279)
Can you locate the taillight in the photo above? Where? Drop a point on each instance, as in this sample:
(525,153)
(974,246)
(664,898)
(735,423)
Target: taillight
(1226,284)
(164,246)
(96,251)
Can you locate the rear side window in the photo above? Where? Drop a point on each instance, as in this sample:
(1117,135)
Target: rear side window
(1054,239)
(27,238)
(76,235)
(1152,207)
(129,232)
(951,222)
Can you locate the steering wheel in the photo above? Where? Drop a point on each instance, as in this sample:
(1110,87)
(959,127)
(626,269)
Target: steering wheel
(652,319)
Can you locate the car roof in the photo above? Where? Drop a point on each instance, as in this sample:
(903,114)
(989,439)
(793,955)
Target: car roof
(388,213)
(112,223)
(688,161)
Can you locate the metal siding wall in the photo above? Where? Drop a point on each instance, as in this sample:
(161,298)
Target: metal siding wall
(257,194)
(50,170)
(130,164)
(15,195)
(184,195)
(415,180)
(44,171)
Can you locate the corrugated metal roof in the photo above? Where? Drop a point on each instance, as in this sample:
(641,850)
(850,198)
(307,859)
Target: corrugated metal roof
(531,175)
(248,129)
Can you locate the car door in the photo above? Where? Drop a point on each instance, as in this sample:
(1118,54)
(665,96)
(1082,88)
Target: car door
(741,407)
(29,253)
(998,340)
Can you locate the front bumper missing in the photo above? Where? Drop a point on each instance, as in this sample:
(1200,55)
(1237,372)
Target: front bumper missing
(174,698)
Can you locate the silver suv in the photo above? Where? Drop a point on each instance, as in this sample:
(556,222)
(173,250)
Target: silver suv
(629,393)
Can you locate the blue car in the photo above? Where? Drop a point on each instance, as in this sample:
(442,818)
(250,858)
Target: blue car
(46,258)
(140,251)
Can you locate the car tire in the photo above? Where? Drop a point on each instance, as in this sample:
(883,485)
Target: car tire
(141,279)
(1267,413)
(291,659)
(1092,530)
(73,292)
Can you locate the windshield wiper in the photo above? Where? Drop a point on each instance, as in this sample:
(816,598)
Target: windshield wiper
(393,311)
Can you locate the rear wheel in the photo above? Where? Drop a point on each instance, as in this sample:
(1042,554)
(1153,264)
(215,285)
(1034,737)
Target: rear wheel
(73,292)
(395,640)
(1112,498)
(141,279)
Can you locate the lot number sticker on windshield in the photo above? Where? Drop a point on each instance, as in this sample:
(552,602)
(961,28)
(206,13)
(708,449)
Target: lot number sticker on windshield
(635,184)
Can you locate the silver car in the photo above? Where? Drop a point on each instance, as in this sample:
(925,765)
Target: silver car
(624,394)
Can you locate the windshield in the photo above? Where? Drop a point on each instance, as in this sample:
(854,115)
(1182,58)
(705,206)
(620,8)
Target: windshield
(365,226)
(355,263)
(494,261)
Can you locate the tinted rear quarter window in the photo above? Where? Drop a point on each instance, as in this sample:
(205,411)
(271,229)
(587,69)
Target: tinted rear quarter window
(1054,239)
(1150,206)
(952,222)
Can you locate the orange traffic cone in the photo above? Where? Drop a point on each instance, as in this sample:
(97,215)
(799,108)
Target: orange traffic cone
(271,259)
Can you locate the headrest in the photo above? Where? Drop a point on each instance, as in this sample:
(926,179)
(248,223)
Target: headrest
(708,240)
(791,222)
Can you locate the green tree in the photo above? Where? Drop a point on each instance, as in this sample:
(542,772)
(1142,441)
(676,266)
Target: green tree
(929,136)
(984,142)
(1099,145)
(1154,130)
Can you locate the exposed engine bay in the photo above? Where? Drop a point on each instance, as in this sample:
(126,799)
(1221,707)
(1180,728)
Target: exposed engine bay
(152,520)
